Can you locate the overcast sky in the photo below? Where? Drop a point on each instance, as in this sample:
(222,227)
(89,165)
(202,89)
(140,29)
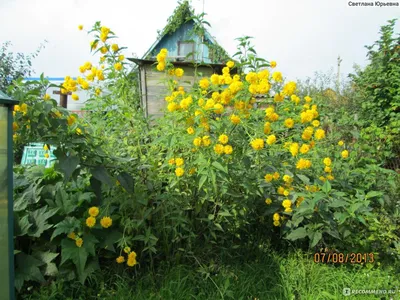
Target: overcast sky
(303,36)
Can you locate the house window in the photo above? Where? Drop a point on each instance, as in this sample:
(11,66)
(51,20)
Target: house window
(186,50)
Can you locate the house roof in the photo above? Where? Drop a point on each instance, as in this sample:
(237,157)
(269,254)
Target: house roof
(142,62)
(5,99)
(182,14)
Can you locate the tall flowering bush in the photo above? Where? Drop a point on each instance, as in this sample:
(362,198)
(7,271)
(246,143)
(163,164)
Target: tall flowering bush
(244,147)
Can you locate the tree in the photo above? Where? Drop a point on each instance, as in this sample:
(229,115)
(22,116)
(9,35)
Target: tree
(15,65)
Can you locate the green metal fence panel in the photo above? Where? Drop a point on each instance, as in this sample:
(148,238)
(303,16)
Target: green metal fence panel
(34,154)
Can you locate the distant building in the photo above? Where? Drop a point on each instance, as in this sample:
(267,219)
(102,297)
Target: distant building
(189,46)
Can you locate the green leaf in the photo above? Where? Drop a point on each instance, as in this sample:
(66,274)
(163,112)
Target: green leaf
(224,213)
(326,188)
(316,237)
(202,181)
(126,181)
(68,164)
(298,233)
(101,174)
(218,166)
(96,186)
(22,226)
(109,239)
(303,178)
(39,219)
(27,268)
(78,255)
(68,225)
(372,194)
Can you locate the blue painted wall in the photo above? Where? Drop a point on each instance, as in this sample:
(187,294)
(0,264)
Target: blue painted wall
(170,42)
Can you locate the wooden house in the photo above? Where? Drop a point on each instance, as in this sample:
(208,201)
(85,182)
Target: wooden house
(189,46)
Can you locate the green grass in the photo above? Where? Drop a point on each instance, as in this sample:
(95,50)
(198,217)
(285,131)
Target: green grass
(269,277)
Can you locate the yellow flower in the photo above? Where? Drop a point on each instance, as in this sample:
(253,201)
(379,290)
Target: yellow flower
(206,140)
(280,190)
(94,211)
(289,123)
(190,130)
(179,162)
(219,149)
(303,164)
(276,217)
(118,66)
(286,203)
(131,259)
(171,161)
(277,76)
(278,97)
(79,242)
(71,235)
(308,99)
(121,57)
(46,155)
(127,249)
(340,143)
(197,142)
(273,64)
(268,177)
(299,200)
(161,66)
(90,222)
(235,119)
(268,201)
(288,209)
(71,120)
(304,148)
(45,147)
(46,97)
(328,169)
(204,83)
(75,97)
(320,134)
(120,259)
(257,144)
(179,172)
(327,161)
(93,45)
(330,177)
(103,49)
(271,139)
(230,64)
(114,47)
(277,223)
(315,123)
(106,222)
(228,149)
(179,72)
(345,154)
(223,139)
(276,175)
(287,178)
(289,88)
(80,27)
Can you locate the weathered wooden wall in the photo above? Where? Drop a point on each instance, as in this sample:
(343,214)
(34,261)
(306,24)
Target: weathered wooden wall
(154,90)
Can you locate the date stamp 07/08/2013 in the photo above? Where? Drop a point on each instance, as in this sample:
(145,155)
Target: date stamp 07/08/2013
(343,258)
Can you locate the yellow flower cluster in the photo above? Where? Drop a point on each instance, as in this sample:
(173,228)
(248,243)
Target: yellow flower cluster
(257,144)
(161,57)
(104,31)
(303,164)
(259,82)
(131,261)
(269,177)
(287,204)
(271,115)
